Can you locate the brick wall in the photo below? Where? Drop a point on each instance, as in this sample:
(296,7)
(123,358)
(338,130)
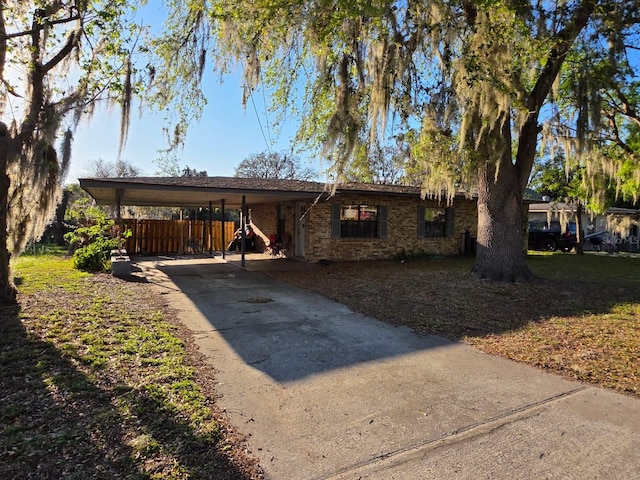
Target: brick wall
(264,220)
(402,228)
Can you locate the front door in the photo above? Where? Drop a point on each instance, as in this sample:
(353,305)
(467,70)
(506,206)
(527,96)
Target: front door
(299,243)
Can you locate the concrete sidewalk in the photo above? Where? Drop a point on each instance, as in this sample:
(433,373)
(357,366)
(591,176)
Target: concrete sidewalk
(326,393)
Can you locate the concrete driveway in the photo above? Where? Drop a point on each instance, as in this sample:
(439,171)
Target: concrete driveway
(326,393)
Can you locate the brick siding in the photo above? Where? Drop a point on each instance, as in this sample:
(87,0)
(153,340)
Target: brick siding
(402,229)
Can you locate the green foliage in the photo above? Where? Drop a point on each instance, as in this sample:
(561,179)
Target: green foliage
(93,245)
(549,178)
(630,180)
(82,210)
(379,165)
(95,257)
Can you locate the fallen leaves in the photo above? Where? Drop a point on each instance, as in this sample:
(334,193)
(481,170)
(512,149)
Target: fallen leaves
(580,317)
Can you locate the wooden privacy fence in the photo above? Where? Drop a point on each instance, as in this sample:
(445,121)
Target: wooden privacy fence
(176,237)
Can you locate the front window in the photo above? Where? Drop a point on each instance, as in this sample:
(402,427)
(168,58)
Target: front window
(434,222)
(358,221)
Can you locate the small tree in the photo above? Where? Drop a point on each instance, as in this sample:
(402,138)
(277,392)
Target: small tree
(92,244)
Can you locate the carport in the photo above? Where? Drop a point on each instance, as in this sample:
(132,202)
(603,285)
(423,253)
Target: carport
(195,192)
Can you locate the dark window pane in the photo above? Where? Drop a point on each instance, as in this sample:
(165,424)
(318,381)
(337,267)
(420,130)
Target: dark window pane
(434,222)
(348,228)
(368,229)
(358,221)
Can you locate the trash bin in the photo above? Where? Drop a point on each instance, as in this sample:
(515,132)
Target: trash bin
(468,244)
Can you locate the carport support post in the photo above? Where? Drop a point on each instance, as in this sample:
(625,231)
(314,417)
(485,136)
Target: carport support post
(119,195)
(210,228)
(224,243)
(243,226)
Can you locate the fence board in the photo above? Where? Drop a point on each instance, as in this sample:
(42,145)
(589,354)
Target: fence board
(176,237)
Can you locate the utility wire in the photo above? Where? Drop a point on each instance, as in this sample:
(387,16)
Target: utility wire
(255,109)
(266,114)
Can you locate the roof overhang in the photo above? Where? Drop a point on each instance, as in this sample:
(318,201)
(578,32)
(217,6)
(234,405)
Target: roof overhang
(163,192)
(194,192)
(546,207)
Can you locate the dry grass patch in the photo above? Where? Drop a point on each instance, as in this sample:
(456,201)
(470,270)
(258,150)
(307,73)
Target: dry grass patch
(580,317)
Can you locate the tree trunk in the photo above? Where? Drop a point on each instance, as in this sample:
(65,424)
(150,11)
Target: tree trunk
(500,253)
(8,290)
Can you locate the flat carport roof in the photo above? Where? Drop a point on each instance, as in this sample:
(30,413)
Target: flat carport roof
(235,192)
(191,192)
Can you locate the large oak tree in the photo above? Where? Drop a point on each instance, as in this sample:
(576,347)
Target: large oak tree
(470,85)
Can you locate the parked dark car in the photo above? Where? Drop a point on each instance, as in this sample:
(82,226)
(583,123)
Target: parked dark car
(549,237)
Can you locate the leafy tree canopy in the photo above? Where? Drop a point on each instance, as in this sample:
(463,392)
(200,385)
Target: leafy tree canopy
(273,165)
(379,165)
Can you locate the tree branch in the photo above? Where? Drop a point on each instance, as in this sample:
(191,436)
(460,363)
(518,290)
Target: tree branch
(10,88)
(3,43)
(556,58)
(72,42)
(529,130)
(25,33)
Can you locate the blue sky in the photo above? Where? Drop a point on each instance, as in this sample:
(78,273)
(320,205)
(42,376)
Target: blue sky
(225,135)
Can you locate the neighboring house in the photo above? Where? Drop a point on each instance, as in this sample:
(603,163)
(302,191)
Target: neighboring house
(618,226)
(357,222)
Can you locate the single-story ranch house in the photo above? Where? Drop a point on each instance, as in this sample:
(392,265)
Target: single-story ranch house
(359,221)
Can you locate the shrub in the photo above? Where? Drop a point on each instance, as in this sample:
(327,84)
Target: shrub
(416,253)
(96,256)
(93,245)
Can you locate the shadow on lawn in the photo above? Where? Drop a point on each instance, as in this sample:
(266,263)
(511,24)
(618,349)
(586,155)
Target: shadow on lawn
(57,422)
